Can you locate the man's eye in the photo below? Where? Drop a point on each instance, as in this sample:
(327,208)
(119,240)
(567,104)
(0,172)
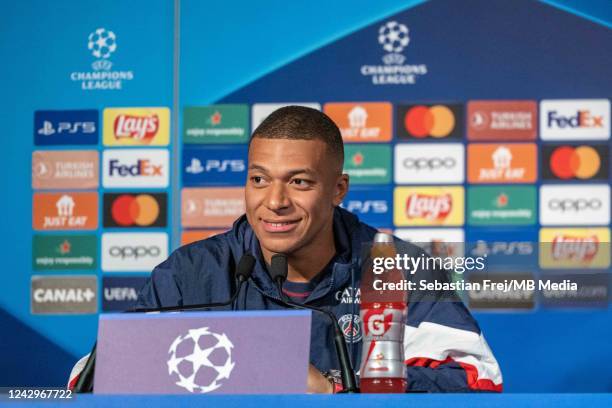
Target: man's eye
(256,179)
(300,182)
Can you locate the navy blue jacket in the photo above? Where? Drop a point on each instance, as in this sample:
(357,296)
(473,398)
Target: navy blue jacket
(444,348)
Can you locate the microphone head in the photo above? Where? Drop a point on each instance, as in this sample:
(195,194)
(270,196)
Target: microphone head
(245,267)
(279,269)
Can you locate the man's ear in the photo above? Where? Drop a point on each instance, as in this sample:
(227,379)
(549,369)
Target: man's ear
(341,188)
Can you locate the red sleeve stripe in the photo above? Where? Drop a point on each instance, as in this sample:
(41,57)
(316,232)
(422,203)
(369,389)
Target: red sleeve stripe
(471,373)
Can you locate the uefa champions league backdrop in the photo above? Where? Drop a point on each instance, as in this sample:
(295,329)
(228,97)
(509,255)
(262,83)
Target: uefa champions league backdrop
(482,121)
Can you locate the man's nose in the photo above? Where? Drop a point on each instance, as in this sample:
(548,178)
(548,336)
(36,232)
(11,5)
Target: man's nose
(277,198)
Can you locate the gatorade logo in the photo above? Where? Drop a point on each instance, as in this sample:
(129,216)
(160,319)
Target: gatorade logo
(135,210)
(377,323)
(575,162)
(434,122)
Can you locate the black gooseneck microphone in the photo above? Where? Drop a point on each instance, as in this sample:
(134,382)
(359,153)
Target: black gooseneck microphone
(278,272)
(243,272)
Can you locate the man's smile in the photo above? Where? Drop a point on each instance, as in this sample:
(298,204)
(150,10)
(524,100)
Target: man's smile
(271,225)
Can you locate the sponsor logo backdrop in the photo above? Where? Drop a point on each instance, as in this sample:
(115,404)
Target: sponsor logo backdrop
(469,135)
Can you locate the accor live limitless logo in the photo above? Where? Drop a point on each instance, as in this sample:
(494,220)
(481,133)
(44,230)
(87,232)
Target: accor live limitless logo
(101,44)
(583,119)
(136,126)
(393,37)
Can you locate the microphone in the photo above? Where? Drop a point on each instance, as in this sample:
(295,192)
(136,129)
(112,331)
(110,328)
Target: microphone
(243,272)
(278,272)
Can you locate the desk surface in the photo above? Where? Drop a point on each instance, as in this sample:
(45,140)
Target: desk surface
(332,401)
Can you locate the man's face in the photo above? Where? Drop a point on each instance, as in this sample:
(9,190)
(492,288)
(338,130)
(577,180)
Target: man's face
(291,190)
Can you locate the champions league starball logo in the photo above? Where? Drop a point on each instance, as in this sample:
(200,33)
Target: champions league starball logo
(393,37)
(200,359)
(102,44)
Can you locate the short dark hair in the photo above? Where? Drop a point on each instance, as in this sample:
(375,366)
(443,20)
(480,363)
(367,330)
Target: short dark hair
(302,123)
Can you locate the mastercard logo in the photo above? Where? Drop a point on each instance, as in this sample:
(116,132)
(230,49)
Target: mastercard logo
(437,121)
(582,162)
(135,210)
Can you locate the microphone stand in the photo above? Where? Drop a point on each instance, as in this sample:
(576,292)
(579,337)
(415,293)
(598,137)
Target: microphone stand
(279,271)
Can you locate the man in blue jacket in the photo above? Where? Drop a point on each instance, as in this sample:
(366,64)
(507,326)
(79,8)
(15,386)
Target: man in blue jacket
(293,191)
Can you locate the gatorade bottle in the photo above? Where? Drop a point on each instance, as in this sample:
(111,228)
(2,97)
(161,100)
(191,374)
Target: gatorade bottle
(383,316)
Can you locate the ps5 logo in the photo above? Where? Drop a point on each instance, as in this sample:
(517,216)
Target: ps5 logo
(218,166)
(367,206)
(48,129)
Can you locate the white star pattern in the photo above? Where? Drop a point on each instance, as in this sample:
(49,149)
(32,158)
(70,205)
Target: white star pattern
(200,357)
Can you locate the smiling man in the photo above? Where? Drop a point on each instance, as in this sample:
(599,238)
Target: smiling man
(294,188)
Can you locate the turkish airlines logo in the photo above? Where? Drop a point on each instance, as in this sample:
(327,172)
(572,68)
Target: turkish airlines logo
(586,119)
(429,121)
(65,211)
(211,207)
(135,210)
(575,205)
(502,120)
(512,163)
(128,168)
(430,207)
(584,162)
(136,126)
(65,169)
(427,163)
(133,252)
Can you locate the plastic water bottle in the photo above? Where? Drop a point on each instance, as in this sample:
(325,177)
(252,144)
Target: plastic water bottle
(383,316)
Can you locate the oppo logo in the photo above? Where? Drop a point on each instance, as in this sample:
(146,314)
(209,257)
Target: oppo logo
(574,205)
(134,252)
(429,163)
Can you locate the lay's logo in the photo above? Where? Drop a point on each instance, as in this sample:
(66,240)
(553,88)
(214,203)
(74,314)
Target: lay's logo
(418,206)
(574,248)
(136,126)
(431,207)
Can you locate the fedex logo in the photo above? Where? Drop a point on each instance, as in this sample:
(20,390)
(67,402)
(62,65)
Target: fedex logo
(582,118)
(567,119)
(371,205)
(141,168)
(135,168)
(214,165)
(75,127)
